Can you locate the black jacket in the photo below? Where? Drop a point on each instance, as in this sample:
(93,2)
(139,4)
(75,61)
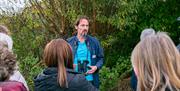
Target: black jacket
(47,81)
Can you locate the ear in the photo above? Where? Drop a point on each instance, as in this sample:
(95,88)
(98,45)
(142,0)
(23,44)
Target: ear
(76,27)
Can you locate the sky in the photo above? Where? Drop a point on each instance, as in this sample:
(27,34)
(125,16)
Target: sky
(11,6)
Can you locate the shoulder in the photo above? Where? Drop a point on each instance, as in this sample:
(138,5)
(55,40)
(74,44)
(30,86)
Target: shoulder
(74,76)
(12,86)
(17,76)
(93,39)
(76,79)
(70,39)
(79,82)
(47,75)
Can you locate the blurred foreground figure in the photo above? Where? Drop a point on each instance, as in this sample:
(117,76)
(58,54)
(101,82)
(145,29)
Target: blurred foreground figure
(156,63)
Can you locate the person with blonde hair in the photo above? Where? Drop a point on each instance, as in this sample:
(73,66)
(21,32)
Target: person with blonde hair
(146,32)
(59,74)
(156,63)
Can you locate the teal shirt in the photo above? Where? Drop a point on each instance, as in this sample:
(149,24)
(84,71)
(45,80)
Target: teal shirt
(83,54)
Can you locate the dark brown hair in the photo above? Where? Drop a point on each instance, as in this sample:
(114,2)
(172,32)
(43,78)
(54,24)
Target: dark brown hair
(79,18)
(58,53)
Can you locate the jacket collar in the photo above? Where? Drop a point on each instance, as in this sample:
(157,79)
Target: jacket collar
(53,70)
(76,38)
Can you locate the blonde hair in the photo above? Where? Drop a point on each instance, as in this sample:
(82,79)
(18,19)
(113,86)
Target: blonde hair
(157,61)
(58,53)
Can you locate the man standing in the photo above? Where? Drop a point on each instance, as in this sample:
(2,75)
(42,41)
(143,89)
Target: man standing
(88,54)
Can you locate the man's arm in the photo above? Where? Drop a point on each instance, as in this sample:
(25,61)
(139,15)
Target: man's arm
(99,58)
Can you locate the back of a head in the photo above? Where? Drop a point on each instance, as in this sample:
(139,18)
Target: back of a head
(146,32)
(7,59)
(58,53)
(4,29)
(7,39)
(156,60)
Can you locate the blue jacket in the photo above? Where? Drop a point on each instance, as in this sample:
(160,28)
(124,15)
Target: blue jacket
(96,51)
(47,81)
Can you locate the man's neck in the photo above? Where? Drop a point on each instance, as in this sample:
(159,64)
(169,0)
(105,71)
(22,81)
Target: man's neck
(80,38)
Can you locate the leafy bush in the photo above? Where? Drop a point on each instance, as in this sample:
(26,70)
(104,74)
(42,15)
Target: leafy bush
(30,67)
(117,22)
(110,76)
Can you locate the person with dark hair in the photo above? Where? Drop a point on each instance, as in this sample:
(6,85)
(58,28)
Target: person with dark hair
(59,74)
(88,54)
(7,67)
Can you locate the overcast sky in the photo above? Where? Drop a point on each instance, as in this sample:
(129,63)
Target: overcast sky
(11,6)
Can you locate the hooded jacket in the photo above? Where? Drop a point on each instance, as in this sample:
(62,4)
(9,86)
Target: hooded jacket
(47,81)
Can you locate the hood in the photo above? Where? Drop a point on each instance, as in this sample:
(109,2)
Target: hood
(48,78)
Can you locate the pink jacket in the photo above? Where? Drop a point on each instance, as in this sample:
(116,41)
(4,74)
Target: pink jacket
(12,86)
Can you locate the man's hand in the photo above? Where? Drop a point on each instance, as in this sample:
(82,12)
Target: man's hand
(93,69)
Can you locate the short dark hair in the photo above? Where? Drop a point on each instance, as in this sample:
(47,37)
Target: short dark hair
(79,18)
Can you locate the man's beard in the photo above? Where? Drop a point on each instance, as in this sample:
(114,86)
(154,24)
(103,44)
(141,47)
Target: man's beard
(84,34)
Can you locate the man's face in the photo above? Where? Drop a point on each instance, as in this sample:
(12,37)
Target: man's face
(83,27)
